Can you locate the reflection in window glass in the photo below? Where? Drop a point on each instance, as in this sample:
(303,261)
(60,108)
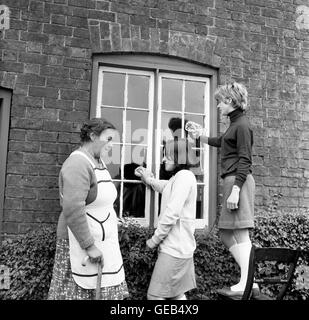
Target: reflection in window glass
(135,155)
(167,133)
(113,89)
(133,200)
(200,201)
(114,170)
(117,202)
(195,118)
(113,161)
(194,96)
(137,126)
(114,116)
(171,94)
(138,89)
(139,154)
(198,168)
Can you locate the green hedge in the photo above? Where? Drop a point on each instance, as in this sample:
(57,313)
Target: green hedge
(30,258)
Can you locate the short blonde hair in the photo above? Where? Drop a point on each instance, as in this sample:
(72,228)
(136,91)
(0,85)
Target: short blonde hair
(235,91)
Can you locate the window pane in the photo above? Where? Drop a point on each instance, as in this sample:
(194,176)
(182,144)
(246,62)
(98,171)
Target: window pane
(134,156)
(198,169)
(113,89)
(134,200)
(112,161)
(115,117)
(171,94)
(139,155)
(137,126)
(175,126)
(197,119)
(200,202)
(138,89)
(117,203)
(194,96)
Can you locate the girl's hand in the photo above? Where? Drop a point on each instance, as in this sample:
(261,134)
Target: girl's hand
(150,244)
(144,174)
(139,171)
(233,199)
(95,255)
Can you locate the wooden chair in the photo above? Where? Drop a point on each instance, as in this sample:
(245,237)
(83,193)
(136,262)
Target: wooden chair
(260,255)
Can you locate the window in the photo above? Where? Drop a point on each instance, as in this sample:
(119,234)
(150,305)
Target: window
(5,107)
(125,98)
(140,95)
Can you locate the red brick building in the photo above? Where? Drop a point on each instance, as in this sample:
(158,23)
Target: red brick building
(139,63)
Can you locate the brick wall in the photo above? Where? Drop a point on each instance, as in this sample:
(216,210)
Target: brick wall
(46,60)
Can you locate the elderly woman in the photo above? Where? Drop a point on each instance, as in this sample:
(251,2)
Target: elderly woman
(237,215)
(87,228)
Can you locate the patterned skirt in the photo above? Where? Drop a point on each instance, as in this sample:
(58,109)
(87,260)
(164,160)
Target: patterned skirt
(63,286)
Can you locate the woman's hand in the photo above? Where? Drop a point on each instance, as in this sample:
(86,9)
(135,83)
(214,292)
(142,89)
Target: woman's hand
(95,255)
(195,130)
(233,199)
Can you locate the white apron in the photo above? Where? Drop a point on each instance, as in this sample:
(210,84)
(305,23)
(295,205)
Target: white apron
(102,221)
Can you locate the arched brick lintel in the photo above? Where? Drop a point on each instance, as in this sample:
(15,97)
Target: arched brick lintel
(194,48)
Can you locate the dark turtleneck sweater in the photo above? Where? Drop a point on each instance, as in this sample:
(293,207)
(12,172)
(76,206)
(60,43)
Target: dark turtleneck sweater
(236,148)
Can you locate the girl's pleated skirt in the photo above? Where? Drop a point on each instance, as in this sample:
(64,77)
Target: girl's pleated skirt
(171,276)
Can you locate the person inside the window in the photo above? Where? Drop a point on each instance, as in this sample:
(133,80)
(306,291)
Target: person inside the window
(237,214)
(174,274)
(87,232)
(133,193)
(175,126)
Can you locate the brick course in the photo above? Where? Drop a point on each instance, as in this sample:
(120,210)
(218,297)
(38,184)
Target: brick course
(46,60)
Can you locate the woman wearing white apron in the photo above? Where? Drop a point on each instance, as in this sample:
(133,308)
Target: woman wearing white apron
(87,230)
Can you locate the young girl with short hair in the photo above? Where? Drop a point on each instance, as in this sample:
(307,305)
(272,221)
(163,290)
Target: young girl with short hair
(174,274)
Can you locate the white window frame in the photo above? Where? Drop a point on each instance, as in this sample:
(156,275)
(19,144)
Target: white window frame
(199,223)
(157,63)
(143,221)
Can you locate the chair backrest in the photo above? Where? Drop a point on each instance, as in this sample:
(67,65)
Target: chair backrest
(280,255)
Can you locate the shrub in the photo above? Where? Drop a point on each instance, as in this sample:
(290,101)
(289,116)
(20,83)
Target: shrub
(137,259)
(30,258)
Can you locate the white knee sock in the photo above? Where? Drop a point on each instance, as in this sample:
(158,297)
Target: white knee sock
(241,253)
(235,253)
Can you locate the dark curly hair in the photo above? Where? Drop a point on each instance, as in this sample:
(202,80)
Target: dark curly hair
(174,125)
(95,125)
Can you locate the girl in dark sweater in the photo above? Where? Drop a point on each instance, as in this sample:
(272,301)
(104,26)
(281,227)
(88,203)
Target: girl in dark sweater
(237,215)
